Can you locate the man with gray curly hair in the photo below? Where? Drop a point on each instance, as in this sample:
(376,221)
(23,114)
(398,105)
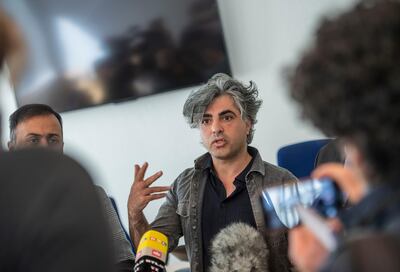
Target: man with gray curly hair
(245,99)
(223,186)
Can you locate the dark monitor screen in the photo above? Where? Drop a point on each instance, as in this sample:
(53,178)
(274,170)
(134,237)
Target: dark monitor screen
(86,53)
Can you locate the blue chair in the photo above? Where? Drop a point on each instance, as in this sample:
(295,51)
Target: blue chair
(299,158)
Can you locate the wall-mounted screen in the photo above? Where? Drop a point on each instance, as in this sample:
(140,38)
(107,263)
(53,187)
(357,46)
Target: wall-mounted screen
(86,53)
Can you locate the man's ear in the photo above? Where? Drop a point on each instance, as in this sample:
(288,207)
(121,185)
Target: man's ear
(248,126)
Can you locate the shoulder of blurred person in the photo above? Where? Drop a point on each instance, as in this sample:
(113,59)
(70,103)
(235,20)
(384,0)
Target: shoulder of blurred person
(378,211)
(368,252)
(51,215)
(371,237)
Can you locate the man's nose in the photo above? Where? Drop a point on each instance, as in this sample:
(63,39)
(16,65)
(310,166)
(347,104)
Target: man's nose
(216,127)
(44,143)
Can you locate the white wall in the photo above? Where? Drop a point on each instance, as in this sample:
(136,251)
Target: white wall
(262,37)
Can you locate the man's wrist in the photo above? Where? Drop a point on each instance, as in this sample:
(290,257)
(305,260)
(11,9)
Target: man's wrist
(136,218)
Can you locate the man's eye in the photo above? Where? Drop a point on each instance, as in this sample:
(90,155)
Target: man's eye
(33,141)
(205,121)
(227,117)
(54,141)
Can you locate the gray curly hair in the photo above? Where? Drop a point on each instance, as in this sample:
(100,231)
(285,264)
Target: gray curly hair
(245,98)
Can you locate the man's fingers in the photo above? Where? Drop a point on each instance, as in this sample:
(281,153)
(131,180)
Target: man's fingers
(137,168)
(155,196)
(153,178)
(351,184)
(334,224)
(141,172)
(333,170)
(146,199)
(157,189)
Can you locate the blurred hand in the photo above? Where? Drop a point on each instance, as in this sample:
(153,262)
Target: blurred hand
(141,193)
(305,250)
(13,48)
(349,182)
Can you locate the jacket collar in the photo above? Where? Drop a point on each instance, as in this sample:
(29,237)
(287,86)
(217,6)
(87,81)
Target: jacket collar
(203,161)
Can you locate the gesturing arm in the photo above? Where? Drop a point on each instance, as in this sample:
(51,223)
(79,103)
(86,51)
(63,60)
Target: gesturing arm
(140,195)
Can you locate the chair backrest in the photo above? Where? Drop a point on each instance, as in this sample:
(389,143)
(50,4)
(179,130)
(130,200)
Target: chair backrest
(299,158)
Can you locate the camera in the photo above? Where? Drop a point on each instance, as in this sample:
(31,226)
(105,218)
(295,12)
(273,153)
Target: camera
(279,202)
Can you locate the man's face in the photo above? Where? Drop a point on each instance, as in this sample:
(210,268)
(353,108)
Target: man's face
(223,131)
(38,131)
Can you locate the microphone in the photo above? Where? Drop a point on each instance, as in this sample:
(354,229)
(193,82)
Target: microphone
(239,247)
(152,252)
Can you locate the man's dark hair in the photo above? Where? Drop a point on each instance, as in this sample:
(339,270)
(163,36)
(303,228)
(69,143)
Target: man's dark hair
(348,83)
(28,111)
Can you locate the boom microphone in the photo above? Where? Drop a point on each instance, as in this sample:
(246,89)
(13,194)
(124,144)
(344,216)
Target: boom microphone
(152,252)
(239,247)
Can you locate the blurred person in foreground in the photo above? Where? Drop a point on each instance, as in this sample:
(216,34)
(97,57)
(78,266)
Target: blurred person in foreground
(348,85)
(39,126)
(224,185)
(50,214)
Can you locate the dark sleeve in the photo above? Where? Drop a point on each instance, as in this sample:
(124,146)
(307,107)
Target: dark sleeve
(51,218)
(168,219)
(377,252)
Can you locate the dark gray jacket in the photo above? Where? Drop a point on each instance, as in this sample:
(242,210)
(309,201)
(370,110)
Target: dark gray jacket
(181,212)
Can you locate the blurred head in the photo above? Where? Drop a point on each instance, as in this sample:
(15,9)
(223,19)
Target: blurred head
(36,125)
(244,98)
(348,85)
